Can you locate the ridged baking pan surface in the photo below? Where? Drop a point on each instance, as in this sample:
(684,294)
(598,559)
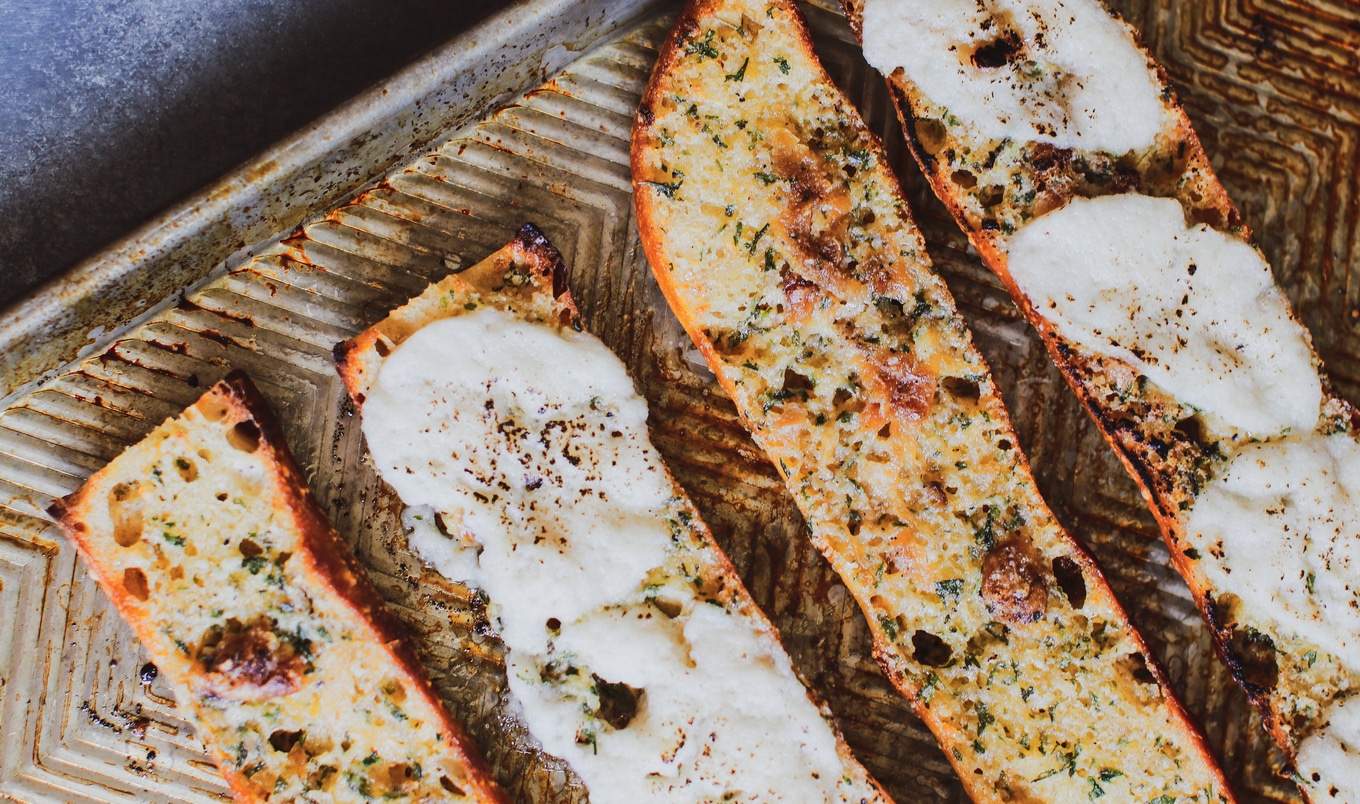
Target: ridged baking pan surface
(1273,87)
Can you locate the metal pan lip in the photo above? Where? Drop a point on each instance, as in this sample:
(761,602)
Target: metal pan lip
(299,178)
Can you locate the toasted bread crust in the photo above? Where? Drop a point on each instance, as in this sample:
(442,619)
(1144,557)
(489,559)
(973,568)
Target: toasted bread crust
(544,297)
(1168,467)
(319,558)
(691,284)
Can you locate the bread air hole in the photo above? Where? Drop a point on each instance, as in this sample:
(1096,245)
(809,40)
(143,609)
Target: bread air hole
(134,581)
(930,650)
(931,134)
(125,509)
(394,690)
(670,608)
(245,436)
(961,388)
(214,413)
(187,469)
(1136,665)
(398,773)
(1252,654)
(1070,580)
(283,741)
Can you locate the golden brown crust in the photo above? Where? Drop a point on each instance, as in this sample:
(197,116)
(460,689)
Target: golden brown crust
(1161,461)
(326,562)
(687,288)
(545,298)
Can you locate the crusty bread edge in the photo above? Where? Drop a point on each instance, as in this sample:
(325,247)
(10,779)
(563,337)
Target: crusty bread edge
(358,360)
(649,230)
(326,557)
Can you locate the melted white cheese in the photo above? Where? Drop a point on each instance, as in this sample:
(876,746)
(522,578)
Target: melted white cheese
(534,445)
(1076,78)
(1328,761)
(1195,310)
(1286,518)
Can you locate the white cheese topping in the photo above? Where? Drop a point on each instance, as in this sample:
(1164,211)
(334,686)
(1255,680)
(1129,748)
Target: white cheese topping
(1058,71)
(1328,760)
(533,446)
(1285,517)
(1195,310)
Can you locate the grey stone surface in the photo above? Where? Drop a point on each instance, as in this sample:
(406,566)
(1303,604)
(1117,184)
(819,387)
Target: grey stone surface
(112,110)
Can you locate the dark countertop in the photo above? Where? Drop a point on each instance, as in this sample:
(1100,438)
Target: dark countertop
(113,110)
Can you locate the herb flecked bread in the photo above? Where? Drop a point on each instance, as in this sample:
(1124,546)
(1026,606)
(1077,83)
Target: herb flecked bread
(612,667)
(1121,247)
(782,241)
(207,539)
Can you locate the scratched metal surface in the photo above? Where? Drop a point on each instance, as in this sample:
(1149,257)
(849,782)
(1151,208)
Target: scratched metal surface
(1271,84)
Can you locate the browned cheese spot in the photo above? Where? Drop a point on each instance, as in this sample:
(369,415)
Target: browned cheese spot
(1014,585)
(250,663)
(908,389)
(618,702)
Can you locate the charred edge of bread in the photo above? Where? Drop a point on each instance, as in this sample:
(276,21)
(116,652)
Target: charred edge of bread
(547,300)
(686,25)
(1161,481)
(328,563)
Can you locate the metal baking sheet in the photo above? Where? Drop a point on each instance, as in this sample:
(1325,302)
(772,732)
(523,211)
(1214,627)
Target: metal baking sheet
(432,170)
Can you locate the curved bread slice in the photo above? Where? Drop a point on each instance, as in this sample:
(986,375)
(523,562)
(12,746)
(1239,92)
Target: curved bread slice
(634,651)
(782,241)
(208,541)
(1128,257)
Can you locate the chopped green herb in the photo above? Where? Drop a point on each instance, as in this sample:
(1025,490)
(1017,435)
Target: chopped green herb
(765,177)
(665,188)
(783,64)
(859,158)
(949,589)
(703,48)
(985,718)
(751,247)
(740,74)
(177,541)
